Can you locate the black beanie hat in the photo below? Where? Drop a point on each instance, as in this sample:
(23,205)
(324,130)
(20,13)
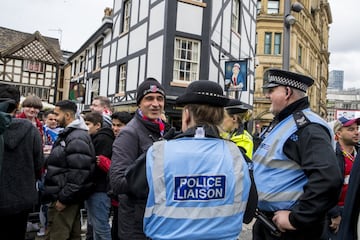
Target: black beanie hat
(150,85)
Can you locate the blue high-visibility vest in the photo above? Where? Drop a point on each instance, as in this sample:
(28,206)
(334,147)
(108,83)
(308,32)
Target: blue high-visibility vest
(199,194)
(280,180)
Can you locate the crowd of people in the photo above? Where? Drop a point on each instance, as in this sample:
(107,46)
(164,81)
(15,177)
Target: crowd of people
(202,181)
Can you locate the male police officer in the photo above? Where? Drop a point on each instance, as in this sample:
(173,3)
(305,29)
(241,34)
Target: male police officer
(295,166)
(198,183)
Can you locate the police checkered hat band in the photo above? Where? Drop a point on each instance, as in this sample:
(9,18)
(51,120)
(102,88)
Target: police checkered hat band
(276,77)
(288,82)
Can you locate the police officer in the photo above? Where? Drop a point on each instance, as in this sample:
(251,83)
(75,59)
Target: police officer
(236,114)
(198,183)
(295,166)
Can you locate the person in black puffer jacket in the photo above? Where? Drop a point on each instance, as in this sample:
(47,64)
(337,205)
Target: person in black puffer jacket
(70,167)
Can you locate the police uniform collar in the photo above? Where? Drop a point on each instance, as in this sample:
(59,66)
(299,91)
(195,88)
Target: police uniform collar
(300,104)
(210,131)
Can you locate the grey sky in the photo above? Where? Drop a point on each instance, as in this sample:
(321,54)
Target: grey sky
(343,42)
(74,21)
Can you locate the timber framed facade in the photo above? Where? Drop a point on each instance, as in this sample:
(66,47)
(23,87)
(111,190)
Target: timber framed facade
(175,42)
(31,62)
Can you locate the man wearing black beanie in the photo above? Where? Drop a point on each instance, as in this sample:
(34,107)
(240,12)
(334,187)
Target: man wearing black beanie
(134,139)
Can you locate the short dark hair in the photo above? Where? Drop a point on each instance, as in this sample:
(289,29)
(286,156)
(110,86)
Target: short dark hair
(46,113)
(94,117)
(10,92)
(123,117)
(67,105)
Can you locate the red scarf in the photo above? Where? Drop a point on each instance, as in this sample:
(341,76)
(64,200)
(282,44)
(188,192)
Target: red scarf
(158,121)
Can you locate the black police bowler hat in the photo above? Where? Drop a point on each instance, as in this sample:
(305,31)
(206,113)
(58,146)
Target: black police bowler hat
(203,92)
(276,77)
(235,106)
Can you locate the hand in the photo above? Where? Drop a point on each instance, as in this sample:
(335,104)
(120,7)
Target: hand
(335,223)
(59,206)
(281,220)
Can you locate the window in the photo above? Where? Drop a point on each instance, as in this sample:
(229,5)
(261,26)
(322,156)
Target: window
(277,43)
(273,7)
(75,66)
(42,93)
(235,16)
(82,61)
(122,77)
(33,66)
(267,46)
(258,7)
(98,49)
(186,59)
(95,88)
(256,43)
(299,54)
(126,16)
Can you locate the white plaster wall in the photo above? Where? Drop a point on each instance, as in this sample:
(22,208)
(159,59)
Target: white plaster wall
(189,18)
(226,28)
(105,55)
(132,74)
(157,16)
(121,47)
(112,79)
(107,37)
(116,25)
(137,39)
(117,5)
(104,81)
(144,10)
(216,7)
(142,67)
(113,53)
(155,58)
(235,45)
(134,12)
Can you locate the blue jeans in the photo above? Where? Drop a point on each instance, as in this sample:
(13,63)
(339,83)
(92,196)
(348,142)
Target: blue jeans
(98,209)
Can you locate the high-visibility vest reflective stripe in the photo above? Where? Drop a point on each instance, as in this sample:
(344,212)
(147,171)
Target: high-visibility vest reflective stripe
(163,211)
(209,212)
(280,180)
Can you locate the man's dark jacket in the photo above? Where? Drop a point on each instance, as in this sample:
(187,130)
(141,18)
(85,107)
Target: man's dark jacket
(350,216)
(71,165)
(133,140)
(102,141)
(23,159)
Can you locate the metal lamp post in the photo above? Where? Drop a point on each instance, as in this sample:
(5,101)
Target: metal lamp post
(288,21)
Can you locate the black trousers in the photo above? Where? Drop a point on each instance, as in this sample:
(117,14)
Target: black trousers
(260,232)
(13,227)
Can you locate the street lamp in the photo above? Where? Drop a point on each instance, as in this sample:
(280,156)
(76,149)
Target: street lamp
(288,21)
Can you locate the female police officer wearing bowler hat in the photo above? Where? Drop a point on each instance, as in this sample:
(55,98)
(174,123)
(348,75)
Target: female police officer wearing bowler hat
(198,183)
(295,166)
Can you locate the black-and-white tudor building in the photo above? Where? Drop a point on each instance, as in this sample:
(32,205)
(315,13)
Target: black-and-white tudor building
(174,41)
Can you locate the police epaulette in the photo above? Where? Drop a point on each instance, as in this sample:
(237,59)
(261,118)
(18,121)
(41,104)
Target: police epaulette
(300,119)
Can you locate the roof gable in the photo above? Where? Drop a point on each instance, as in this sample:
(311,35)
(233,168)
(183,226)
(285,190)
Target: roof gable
(29,46)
